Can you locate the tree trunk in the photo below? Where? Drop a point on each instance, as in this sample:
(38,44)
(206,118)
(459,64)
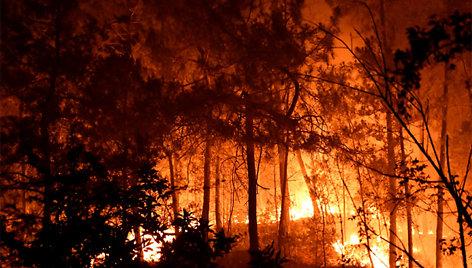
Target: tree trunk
(206,182)
(285,202)
(462,238)
(252,185)
(175,196)
(310,184)
(276,205)
(219,224)
(392,187)
(407,204)
(442,163)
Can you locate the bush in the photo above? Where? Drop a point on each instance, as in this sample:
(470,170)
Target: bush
(191,247)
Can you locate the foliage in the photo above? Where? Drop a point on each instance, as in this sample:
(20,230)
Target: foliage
(267,257)
(441,41)
(134,81)
(191,247)
(91,217)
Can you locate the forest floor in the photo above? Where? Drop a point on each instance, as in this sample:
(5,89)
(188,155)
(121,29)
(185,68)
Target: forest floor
(240,258)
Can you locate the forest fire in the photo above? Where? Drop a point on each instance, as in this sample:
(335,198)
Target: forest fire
(152,249)
(355,252)
(235,133)
(302,209)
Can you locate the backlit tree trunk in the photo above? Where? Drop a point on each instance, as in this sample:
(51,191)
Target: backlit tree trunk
(391,192)
(206,182)
(219,224)
(310,183)
(252,180)
(175,196)
(442,163)
(285,203)
(392,188)
(407,204)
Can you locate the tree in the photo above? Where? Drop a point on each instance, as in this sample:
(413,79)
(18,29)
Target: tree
(70,102)
(442,41)
(38,46)
(236,57)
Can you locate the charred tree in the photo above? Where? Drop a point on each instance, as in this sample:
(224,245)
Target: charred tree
(252,180)
(219,223)
(173,185)
(206,182)
(310,183)
(392,257)
(285,196)
(283,151)
(442,164)
(409,221)
(392,187)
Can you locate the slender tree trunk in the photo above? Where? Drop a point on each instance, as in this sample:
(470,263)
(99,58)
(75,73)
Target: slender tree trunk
(174,195)
(207,168)
(276,205)
(392,188)
(206,182)
(252,187)
(231,207)
(139,242)
(442,163)
(407,204)
(285,202)
(323,231)
(462,238)
(310,184)
(219,224)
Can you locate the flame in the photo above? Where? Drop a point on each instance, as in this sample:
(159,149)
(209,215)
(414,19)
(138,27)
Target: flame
(354,240)
(303,209)
(152,249)
(355,251)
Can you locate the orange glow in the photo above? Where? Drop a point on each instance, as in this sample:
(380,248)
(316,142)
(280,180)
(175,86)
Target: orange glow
(303,209)
(356,251)
(152,250)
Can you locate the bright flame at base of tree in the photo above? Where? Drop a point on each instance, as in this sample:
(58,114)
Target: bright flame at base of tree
(355,252)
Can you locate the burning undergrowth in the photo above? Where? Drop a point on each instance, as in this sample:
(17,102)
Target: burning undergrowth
(308,243)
